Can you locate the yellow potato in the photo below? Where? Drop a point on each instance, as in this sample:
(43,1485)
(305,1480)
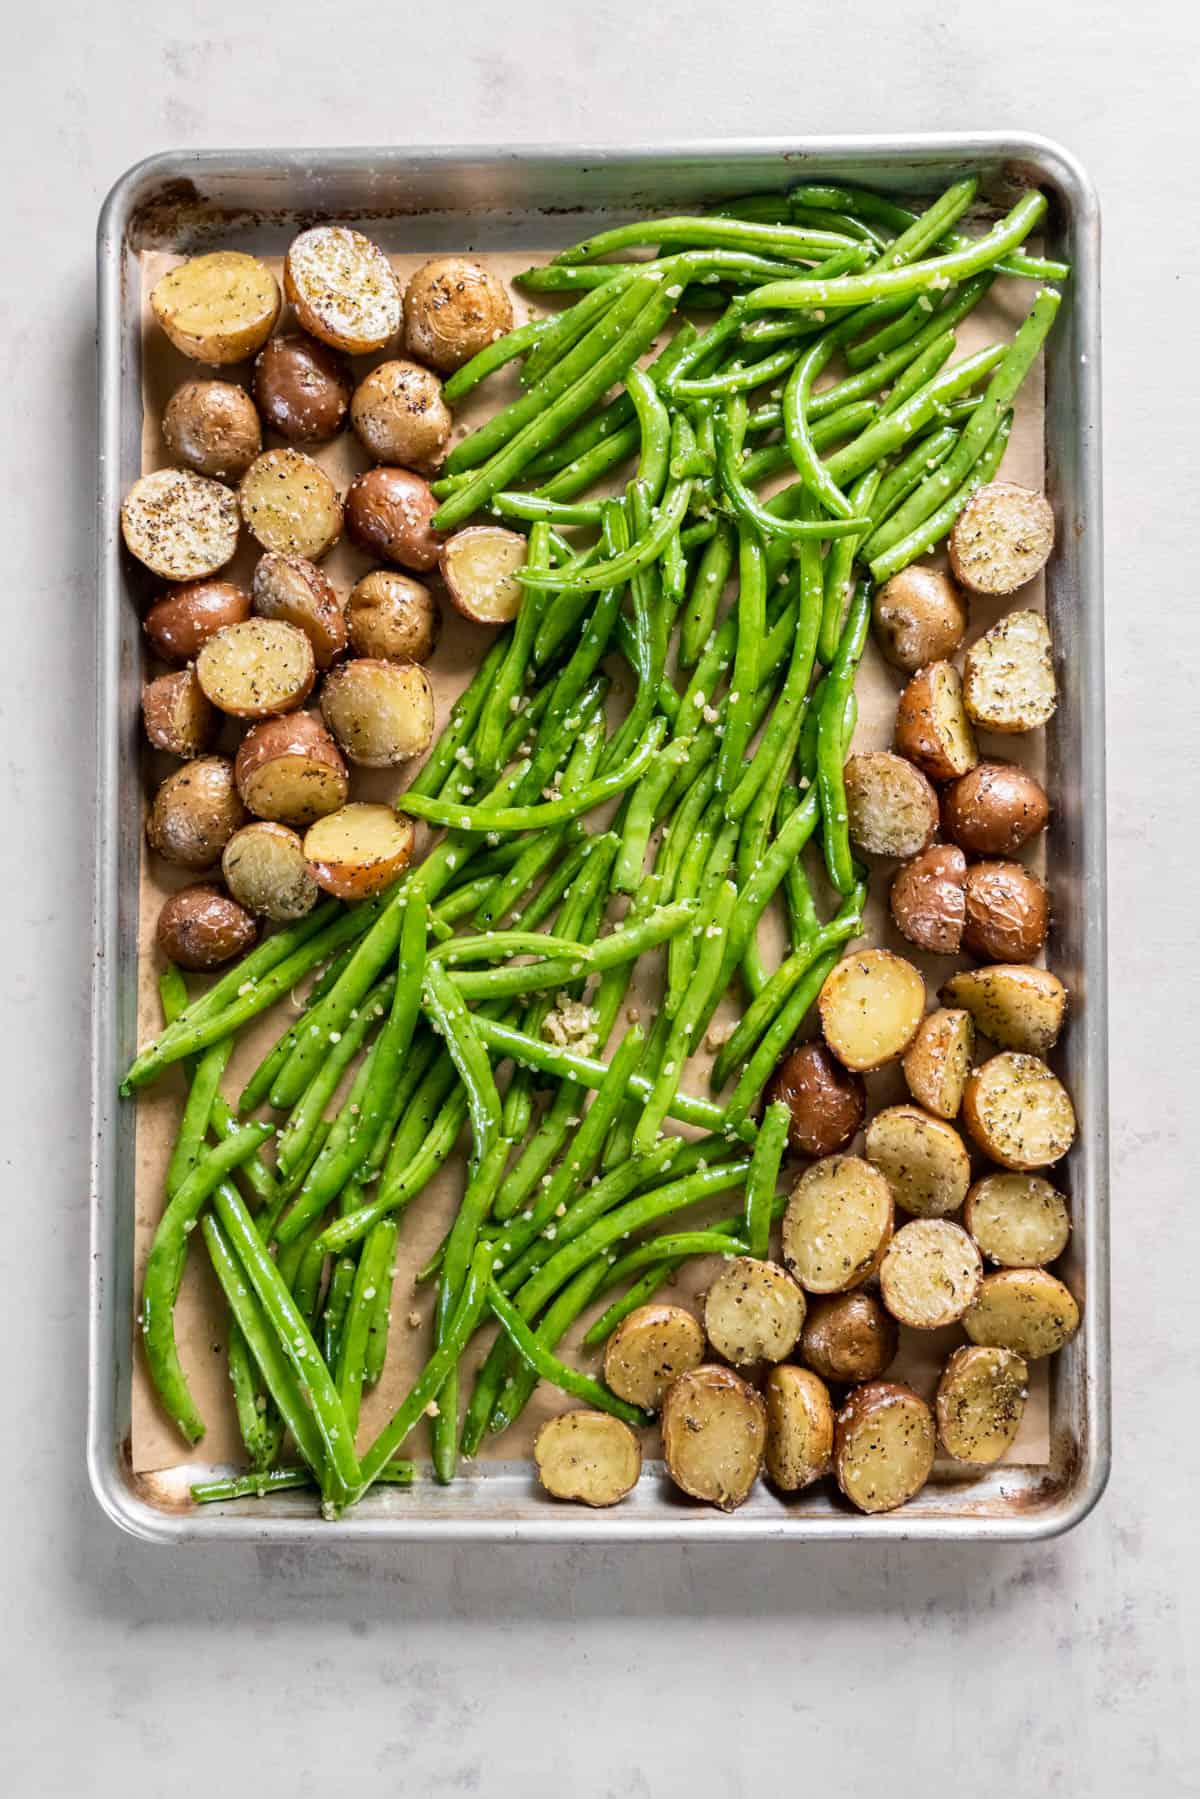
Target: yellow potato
(714,1432)
(753,1312)
(649,1349)
(980,1402)
(930,1274)
(924,1159)
(589,1456)
(217,308)
(938,1060)
(343,288)
(871,1005)
(884,1442)
(1018,1220)
(290,505)
(799,1428)
(1025,1310)
(837,1224)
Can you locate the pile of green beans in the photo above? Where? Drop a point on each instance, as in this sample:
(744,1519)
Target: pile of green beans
(714,516)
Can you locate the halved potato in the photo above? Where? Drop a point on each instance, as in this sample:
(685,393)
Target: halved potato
(938,1060)
(928,899)
(837,1224)
(930,1274)
(714,1432)
(1008,675)
(290,770)
(799,1428)
(290,505)
(359,850)
(296,590)
(195,813)
(1019,1112)
(380,712)
(919,617)
(849,1337)
(180,524)
(871,1005)
(343,288)
(302,388)
(392,615)
(980,1402)
(994,808)
(883,1447)
(1017,1006)
(893,810)
(477,566)
(176,714)
(212,427)
(202,927)
(827,1102)
(257,669)
(217,308)
(1002,538)
(932,727)
(453,309)
(181,621)
(1008,912)
(1025,1310)
(649,1349)
(389,513)
(589,1456)
(924,1159)
(753,1312)
(1018,1220)
(265,868)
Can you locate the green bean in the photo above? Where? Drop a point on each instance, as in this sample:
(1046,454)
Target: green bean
(449,1015)
(333,1317)
(926,454)
(615,419)
(630,1176)
(565,330)
(938,525)
(548,1367)
(839,569)
(538,508)
(618,569)
(887,434)
(831,744)
(556,884)
(619,946)
(197,1111)
(802,912)
(797,402)
(920,370)
(405,1184)
(459,1249)
(296,1135)
(765,877)
(642,1290)
(700,992)
(759,1068)
(381,1306)
(682,1245)
(645,804)
(764,1172)
(899,217)
(654,424)
(460,726)
(369,1274)
(543,850)
(706,264)
(767,769)
(705,233)
(705,597)
(744,681)
(494,946)
(280,1480)
(552,1327)
(591,466)
(847,421)
(494,356)
(738,378)
(731,429)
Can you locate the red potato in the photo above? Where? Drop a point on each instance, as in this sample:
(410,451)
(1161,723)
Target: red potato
(296,590)
(924,1159)
(919,617)
(932,727)
(181,622)
(1018,1220)
(478,566)
(849,1337)
(649,1349)
(359,850)
(381,713)
(994,809)
(388,513)
(928,899)
(400,416)
(257,669)
(453,309)
(342,288)
(212,427)
(176,714)
(290,771)
(202,927)
(753,1312)
(290,505)
(392,615)
(302,388)
(180,525)
(1007,912)
(827,1102)
(217,308)
(195,813)
(266,871)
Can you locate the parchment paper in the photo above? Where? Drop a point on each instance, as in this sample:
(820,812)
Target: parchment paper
(201,1313)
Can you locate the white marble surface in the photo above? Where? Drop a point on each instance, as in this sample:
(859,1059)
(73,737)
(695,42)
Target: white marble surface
(1058,1669)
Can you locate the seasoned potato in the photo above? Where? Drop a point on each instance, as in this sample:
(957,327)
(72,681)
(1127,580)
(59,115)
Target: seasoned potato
(302,387)
(892,808)
(799,1428)
(390,615)
(930,1274)
(919,617)
(212,427)
(290,770)
(290,504)
(994,808)
(176,714)
(932,727)
(343,288)
(837,1224)
(217,308)
(1018,1007)
(849,1337)
(883,1446)
(1008,912)
(1008,676)
(359,850)
(477,566)
(1018,1220)
(179,624)
(714,1431)
(400,416)
(452,310)
(870,1007)
(938,1060)
(294,589)
(265,868)
(980,1402)
(380,712)
(753,1312)
(1025,1310)
(195,813)
(649,1349)
(589,1456)
(827,1102)
(181,525)
(924,1159)
(1019,1112)
(388,512)
(1002,538)
(928,899)
(201,927)
(258,668)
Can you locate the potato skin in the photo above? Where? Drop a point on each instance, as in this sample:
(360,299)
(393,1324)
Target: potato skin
(1008,912)
(994,809)
(980,1402)
(358,850)
(714,1431)
(849,1337)
(827,1102)
(453,309)
(893,810)
(195,813)
(884,1444)
(799,1428)
(302,388)
(321,780)
(212,427)
(400,416)
(938,1060)
(919,617)
(296,590)
(591,1457)
(387,514)
(176,714)
(266,871)
(390,615)
(928,899)
(1002,538)
(381,713)
(201,927)
(180,623)
(932,728)
(649,1349)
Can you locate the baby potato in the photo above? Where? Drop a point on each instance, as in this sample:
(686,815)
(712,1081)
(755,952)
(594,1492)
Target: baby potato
(294,589)
(919,617)
(257,669)
(1018,1112)
(928,899)
(588,1456)
(1025,1310)
(176,714)
(1008,675)
(1018,1007)
(827,1102)
(1018,1220)
(980,1402)
(714,1431)
(195,813)
(201,927)
(290,771)
(179,524)
(753,1312)
(390,615)
(178,625)
(849,1337)
(871,1005)
(266,871)
(358,850)
(478,566)
(930,1274)
(302,388)
(217,308)
(799,1428)
(932,727)
(290,504)
(1002,538)
(994,808)
(387,514)
(883,1446)
(649,1349)
(452,310)
(938,1060)
(380,712)
(1008,912)
(212,427)
(400,416)
(925,1160)
(837,1224)
(342,288)
(893,810)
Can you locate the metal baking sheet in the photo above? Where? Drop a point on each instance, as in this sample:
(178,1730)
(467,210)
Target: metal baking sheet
(421,202)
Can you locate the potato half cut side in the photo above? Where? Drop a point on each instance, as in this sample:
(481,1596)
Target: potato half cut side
(980,1402)
(928,899)
(932,727)
(359,850)
(380,712)
(266,870)
(649,1349)
(195,813)
(884,1443)
(1017,1006)
(180,524)
(837,1224)
(924,1159)
(1002,538)
(343,288)
(893,811)
(1018,1112)
(296,590)
(1008,675)
(714,1432)
(176,714)
(938,1060)
(1025,1310)
(202,927)
(930,1274)
(218,308)
(1018,1220)
(290,770)
(591,1457)
(753,1312)
(478,568)
(257,669)
(799,1428)
(290,505)
(870,1006)
(849,1337)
